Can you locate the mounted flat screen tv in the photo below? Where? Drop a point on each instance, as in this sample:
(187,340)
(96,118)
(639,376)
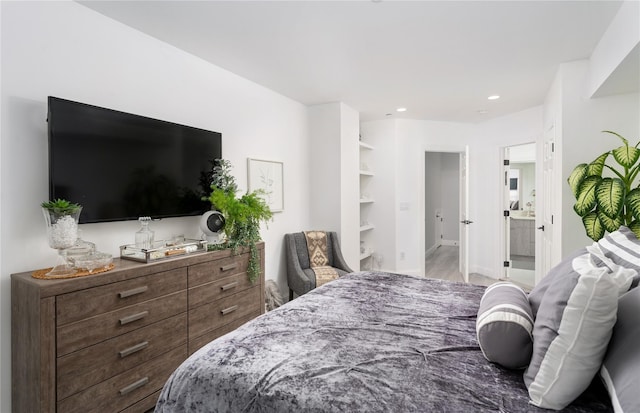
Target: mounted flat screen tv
(121,166)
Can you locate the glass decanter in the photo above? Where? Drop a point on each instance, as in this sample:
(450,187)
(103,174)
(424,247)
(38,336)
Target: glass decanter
(144,237)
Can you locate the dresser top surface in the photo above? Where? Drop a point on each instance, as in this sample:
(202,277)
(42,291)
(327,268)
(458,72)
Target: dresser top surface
(123,270)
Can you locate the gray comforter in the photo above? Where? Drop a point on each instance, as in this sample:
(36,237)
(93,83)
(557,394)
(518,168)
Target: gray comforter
(368,342)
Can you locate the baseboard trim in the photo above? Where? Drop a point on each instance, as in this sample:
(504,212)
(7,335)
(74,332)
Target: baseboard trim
(431,250)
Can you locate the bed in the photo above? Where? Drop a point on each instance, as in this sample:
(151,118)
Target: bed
(367,342)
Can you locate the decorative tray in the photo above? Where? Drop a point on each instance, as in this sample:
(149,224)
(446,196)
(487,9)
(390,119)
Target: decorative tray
(162,250)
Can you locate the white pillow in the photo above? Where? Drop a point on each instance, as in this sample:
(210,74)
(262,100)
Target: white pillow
(571,332)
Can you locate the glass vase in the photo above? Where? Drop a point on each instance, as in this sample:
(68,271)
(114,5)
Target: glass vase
(62,233)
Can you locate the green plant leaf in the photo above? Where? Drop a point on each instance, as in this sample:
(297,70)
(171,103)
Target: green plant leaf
(596,167)
(626,155)
(610,224)
(61,206)
(622,138)
(610,196)
(635,227)
(576,177)
(586,198)
(593,226)
(632,201)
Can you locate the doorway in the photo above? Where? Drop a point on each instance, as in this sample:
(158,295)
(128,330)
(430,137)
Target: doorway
(445,212)
(519,204)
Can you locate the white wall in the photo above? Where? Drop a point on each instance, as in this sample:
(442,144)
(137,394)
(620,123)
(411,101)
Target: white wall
(450,196)
(620,42)
(432,200)
(334,185)
(349,186)
(582,141)
(67,50)
(487,180)
(413,139)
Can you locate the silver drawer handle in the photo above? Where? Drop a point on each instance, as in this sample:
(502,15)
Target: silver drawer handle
(229,286)
(133,291)
(229,310)
(133,386)
(228,267)
(134,317)
(133,349)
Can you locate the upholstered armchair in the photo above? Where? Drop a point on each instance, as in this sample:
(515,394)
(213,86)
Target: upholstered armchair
(300,277)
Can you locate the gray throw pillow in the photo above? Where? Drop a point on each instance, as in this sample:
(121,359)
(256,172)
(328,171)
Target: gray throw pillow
(571,332)
(564,267)
(504,325)
(621,368)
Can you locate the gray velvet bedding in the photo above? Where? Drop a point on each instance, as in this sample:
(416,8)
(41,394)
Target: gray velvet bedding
(368,342)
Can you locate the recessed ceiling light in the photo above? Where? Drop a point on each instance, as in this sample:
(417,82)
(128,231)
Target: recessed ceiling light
(401,110)
(493,97)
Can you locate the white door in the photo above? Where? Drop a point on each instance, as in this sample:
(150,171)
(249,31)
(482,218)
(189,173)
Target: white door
(464,214)
(506,207)
(546,249)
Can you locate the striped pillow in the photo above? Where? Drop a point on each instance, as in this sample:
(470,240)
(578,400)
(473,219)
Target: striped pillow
(504,325)
(623,248)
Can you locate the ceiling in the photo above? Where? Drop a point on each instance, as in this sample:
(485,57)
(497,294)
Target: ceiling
(439,59)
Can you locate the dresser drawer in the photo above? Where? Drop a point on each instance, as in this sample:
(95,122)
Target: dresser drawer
(74,336)
(214,270)
(123,390)
(93,301)
(218,289)
(89,366)
(198,342)
(209,317)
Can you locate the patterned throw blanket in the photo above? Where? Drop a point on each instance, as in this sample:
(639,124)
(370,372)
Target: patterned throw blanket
(319,257)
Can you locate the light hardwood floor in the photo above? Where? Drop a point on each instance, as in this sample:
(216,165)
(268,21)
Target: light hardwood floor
(443,264)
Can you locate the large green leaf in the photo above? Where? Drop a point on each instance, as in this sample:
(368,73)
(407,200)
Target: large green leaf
(633,202)
(635,227)
(610,224)
(622,138)
(626,155)
(610,196)
(576,177)
(586,198)
(596,167)
(593,226)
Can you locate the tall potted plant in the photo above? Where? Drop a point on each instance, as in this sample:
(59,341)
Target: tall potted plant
(243,214)
(605,203)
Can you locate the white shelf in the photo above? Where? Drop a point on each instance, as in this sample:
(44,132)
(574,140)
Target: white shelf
(365,145)
(366,201)
(366,227)
(367,173)
(366,255)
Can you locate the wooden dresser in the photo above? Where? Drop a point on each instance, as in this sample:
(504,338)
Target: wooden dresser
(108,342)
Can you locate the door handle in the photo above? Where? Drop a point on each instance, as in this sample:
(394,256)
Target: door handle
(466,222)
(541,228)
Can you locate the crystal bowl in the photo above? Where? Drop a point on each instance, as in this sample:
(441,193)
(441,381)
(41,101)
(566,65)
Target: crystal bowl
(93,261)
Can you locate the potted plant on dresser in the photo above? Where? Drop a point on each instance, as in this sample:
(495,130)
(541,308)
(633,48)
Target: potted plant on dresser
(243,215)
(61,218)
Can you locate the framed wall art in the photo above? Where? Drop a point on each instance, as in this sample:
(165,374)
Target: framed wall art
(267,176)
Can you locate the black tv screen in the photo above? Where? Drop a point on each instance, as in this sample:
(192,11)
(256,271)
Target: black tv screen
(121,166)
